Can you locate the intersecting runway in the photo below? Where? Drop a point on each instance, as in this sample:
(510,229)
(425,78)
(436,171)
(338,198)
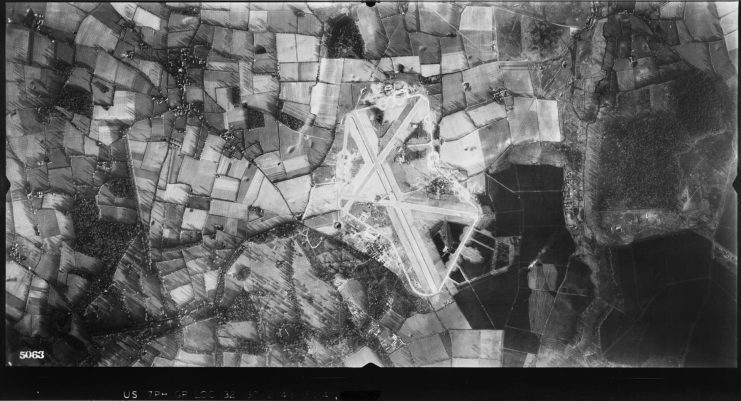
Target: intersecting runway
(359,128)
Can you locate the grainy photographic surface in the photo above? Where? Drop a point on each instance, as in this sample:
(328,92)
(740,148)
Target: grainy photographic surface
(404,184)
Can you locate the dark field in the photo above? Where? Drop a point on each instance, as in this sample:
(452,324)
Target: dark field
(727,234)
(527,202)
(676,309)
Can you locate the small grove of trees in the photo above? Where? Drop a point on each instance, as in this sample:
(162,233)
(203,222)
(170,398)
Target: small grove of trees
(574,155)
(76,100)
(343,39)
(251,346)
(63,69)
(256,210)
(545,37)
(378,116)
(438,187)
(433,79)
(242,309)
(284,230)
(255,118)
(242,272)
(638,167)
(291,336)
(121,187)
(288,120)
(382,286)
(33,20)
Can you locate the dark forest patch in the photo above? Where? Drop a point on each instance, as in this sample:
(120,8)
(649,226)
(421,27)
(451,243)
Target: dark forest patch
(105,240)
(343,39)
(638,164)
(76,100)
(704,103)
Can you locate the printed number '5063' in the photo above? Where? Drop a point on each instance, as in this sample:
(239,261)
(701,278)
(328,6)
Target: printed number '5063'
(32,354)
